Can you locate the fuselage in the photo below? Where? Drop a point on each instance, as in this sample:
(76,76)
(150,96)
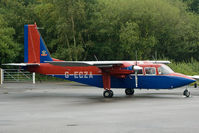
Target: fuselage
(152,76)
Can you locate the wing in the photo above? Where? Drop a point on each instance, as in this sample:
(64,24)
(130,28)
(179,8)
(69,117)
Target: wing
(99,64)
(102,64)
(22,64)
(160,62)
(195,77)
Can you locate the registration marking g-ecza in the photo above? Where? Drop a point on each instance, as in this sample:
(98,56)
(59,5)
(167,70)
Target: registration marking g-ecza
(79,74)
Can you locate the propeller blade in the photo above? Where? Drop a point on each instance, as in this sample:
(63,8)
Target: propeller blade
(136,69)
(136,79)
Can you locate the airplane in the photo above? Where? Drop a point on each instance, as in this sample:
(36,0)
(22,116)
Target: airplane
(128,75)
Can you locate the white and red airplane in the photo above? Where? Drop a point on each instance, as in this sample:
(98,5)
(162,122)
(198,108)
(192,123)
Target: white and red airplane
(129,75)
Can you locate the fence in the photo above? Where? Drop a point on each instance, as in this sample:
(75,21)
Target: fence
(16,75)
(1,76)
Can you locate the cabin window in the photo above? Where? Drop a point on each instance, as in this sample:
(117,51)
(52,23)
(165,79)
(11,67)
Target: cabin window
(150,70)
(140,71)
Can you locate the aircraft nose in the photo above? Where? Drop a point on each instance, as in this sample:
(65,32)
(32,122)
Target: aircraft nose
(184,80)
(189,81)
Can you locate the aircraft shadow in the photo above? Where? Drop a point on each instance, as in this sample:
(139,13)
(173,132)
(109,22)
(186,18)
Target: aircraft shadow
(79,98)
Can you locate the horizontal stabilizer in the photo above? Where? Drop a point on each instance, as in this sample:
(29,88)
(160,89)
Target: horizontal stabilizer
(22,64)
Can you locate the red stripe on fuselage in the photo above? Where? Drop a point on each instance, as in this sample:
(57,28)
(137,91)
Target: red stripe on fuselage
(48,69)
(180,75)
(33,44)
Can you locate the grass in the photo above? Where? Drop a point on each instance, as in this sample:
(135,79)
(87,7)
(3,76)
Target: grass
(40,77)
(187,68)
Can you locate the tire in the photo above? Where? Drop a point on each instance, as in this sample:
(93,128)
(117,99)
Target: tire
(108,94)
(195,85)
(186,93)
(129,92)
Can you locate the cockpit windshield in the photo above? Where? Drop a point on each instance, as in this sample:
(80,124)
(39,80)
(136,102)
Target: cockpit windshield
(164,69)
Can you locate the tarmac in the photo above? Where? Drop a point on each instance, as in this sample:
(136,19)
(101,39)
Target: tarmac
(67,107)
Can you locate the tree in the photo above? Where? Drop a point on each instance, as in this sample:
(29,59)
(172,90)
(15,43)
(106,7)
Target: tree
(148,26)
(111,30)
(17,13)
(193,5)
(9,50)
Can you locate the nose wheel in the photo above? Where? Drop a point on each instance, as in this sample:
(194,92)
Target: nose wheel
(186,93)
(108,94)
(129,91)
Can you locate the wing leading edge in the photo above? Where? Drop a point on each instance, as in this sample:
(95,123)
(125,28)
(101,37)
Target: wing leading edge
(101,64)
(86,63)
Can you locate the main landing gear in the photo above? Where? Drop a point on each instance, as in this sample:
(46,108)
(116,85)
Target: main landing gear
(108,93)
(129,91)
(186,93)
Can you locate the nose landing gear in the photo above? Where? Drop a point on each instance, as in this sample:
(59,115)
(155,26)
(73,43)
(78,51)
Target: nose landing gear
(186,93)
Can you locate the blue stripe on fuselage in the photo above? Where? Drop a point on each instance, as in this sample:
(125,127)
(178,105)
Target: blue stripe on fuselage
(144,82)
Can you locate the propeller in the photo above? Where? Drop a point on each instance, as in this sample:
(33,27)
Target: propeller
(136,68)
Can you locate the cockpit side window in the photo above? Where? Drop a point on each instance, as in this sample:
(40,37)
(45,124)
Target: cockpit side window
(150,70)
(164,70)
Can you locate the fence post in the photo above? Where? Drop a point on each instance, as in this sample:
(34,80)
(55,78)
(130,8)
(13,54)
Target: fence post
(33,77)
(1,76)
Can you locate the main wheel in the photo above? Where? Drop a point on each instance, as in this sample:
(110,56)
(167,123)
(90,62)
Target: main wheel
(129,91)
(186,93)
(108,93)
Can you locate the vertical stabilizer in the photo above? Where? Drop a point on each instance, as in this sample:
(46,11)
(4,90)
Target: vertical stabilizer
(35,50)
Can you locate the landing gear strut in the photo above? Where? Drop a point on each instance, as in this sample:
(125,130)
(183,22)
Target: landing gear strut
(186,93)
(108,93)
(129,91)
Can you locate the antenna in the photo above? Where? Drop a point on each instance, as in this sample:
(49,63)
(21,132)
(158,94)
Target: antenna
(95,57)
(136,57)
(156,55)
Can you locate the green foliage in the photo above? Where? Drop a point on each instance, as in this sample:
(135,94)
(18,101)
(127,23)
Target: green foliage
(16,13)
(109,29)
(187,68)
(193,5)
(148,26)
(8,48)
(40,78)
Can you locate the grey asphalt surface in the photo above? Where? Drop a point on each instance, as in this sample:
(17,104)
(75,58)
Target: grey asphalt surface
(63,107)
